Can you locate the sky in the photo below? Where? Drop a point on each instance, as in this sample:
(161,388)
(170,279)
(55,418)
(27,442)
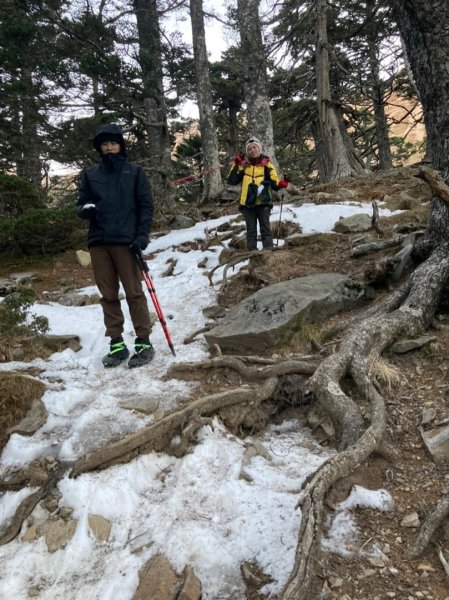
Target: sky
(196,510)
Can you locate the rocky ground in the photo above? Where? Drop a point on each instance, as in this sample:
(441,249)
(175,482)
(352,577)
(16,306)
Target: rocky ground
(416,383)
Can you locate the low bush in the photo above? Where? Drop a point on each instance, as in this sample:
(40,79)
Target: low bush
(47,231)
(17,196)
(15,318)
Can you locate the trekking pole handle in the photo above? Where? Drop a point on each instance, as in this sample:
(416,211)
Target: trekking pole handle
(141,262)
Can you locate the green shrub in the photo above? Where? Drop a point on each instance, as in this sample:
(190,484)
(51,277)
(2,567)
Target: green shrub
(47,230)
(7,241)
(17,196)
(14,313)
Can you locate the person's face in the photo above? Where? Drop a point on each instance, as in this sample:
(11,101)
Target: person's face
(109,147)
(253,151)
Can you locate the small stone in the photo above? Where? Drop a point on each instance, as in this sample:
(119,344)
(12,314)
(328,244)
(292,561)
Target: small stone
(83,258)
(426,567)
(366,573)
(30,534)
(51,504)
(57,533)
(411,520)
(335,582)
(100,527)
(378,561)
(65,512)
(428,415)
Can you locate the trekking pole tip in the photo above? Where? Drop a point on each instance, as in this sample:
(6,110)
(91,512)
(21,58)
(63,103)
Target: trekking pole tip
(172,350)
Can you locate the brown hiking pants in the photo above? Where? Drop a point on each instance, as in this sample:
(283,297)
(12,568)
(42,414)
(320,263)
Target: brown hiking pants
(112,264)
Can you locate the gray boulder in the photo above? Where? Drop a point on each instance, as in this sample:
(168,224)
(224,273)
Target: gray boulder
(273,314)
(181,222)
(353,224)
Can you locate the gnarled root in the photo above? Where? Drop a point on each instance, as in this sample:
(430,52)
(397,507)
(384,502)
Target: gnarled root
(312,499)
(158,435)
(431,524)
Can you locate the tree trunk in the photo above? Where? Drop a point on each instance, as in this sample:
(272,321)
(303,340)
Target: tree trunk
(336,156)
(158,140)
(232,143)
(260,122)
(213,184)
(29,165)
(378,91)
(423,26)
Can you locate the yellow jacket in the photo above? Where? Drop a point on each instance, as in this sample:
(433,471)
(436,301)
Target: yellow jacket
(258,180)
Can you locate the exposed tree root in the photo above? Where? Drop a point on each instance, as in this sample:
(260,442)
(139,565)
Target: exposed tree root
(431,524)
(312,499)
(233,260)
(44,473)
(23,511)
(285,367)
(435,182)
(387,305)
(443,562)
(375,219)
(33,475)
(356,353)
(191,338)
(158,435)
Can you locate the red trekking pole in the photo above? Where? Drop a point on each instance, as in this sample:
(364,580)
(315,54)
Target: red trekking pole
(279,224)
(150,285)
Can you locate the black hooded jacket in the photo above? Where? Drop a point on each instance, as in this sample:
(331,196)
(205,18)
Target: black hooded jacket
(120,192)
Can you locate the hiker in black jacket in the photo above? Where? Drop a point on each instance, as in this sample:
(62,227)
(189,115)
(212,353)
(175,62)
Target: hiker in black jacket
(115,197)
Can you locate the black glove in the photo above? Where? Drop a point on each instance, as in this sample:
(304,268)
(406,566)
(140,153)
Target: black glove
(139,244)
(88,211)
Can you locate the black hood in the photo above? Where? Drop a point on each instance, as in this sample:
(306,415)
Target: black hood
(106,133)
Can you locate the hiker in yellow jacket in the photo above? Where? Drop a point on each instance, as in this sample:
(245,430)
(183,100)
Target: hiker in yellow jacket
(258,178)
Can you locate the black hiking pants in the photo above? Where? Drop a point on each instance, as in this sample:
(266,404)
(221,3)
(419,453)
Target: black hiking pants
(258,214)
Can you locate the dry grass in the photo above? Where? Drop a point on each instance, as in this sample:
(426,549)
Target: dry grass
(385,373)
(17,392)
(28,349)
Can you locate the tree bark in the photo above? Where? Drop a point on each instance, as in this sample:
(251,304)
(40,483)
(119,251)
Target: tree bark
(423,25)
(260,122)
(377,91)
(29,163)
(337,159)
(158,140)
(213,185)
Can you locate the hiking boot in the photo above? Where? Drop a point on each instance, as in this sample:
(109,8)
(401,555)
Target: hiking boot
(143,353)
(118,352)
